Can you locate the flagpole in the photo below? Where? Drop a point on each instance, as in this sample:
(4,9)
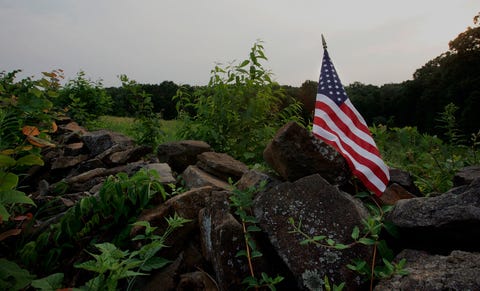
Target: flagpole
(324,43)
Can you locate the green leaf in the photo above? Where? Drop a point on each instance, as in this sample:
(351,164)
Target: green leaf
(8,181)
(49,283)
(256,254)
(319,237)
(355,233)
(330,242)
(154,263)
(30,160)
(244,63)
(341,246)
(253,228)
(4,215)
(14,197)
(241,253)
(15,277)
(7,161)
(366,241)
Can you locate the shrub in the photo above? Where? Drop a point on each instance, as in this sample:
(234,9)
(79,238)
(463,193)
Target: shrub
(239,110)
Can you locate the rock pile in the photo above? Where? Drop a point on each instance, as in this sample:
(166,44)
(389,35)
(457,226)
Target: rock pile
(312,186)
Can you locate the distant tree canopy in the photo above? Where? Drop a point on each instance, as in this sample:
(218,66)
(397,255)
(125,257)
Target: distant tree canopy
(161,95)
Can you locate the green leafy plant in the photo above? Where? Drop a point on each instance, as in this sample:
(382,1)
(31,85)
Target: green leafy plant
(240,98)
(52,282)
(84,99)
(26,121)
(12,276)
(113,264)
(242,201)
(430,160)
(120,200)
(368,235)
(147,124)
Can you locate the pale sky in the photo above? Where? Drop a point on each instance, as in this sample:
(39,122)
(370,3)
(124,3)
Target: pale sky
(370,41)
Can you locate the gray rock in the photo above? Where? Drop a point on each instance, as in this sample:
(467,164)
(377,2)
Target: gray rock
(405,180)
(295,153)
(195,177)
(466,175)
(322,210)
(457,271)
(99,141)
(129,155)
(443,223)
(181,154)
(64,162)
(253,178)
(222,238)
(163,170)
(221,165)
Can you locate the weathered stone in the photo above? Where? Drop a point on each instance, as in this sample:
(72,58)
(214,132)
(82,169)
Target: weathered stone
(196,281)
(164,171)
(322,210)
(443,223)
(181,154)
(87,185)
(99,141)
(84,177)
(405,180)
(253,178)
(129,155)
(186,205)
(129,169)
(457,271)
(86,166)
(221,165)
(73,127)
(295,153)
(222,238)
(73,149)
(64,162)
(466,175)
(393,193)
(194,177)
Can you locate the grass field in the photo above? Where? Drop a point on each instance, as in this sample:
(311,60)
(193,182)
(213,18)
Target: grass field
(124,125)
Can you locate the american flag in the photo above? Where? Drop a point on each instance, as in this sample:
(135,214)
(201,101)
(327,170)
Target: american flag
(339,124)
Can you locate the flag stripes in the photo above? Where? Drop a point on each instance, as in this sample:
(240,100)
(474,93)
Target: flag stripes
(338,123)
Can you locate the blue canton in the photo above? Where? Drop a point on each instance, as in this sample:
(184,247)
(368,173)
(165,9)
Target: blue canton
(329,83)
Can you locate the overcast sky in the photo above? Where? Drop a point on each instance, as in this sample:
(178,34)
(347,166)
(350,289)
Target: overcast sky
(371,41)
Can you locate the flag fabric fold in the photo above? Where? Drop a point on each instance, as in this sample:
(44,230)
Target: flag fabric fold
(339,124)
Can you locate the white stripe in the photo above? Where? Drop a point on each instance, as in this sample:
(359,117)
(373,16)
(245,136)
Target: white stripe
(359,167)
(366,154)
(345,119)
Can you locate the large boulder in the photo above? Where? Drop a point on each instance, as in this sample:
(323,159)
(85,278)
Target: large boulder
(443,223)
(295,153)
(322,210)
(221,165)
(457,271)
(181,154)
(222,239)
(100,141)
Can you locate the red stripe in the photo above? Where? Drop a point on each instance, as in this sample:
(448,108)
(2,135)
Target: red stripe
(360,175)
(374,167)
(345,129)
